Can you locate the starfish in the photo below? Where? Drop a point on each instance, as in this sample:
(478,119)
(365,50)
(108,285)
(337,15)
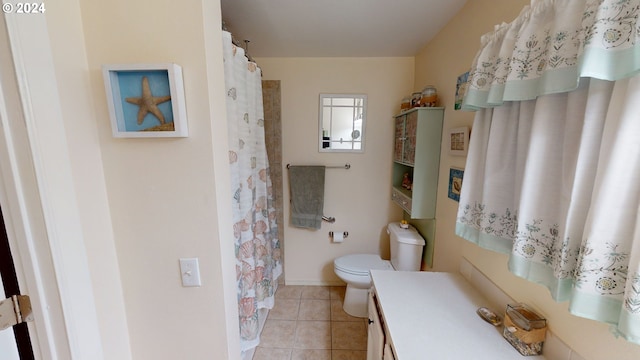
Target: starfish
(148,103)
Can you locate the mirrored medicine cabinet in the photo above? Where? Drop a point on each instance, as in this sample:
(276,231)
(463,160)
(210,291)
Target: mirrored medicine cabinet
(342,122)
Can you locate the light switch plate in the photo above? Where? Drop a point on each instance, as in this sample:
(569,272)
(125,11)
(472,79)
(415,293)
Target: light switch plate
(190,272)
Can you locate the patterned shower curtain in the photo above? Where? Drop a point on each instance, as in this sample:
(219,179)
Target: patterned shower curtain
(258,251)
(553,170)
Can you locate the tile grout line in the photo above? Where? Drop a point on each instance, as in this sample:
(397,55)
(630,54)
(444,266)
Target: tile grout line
(333,318)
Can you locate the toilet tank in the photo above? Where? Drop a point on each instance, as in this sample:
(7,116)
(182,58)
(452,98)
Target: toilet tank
(406,247)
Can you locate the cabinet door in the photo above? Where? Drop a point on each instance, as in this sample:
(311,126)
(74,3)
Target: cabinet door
(410,130)
(375,334)
(399,139)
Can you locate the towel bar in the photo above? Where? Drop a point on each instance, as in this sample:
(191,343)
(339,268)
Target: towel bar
(346,167)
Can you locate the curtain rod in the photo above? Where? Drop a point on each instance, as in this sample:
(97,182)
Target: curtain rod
(345,166)
(235,42)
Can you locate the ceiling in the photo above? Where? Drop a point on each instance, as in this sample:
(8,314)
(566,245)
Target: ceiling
(336,28)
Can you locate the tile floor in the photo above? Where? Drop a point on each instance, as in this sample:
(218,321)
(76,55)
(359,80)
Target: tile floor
(308,323)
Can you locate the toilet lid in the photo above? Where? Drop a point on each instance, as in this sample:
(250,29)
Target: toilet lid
(360,264)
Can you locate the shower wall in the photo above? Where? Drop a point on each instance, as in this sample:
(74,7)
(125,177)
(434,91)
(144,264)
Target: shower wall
(273,140)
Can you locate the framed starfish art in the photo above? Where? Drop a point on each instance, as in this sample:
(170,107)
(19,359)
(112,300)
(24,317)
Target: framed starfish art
(145,100)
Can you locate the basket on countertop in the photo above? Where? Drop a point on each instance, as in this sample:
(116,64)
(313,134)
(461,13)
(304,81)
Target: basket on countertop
(524,329)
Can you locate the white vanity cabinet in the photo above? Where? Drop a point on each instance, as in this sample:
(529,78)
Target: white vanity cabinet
(418,134)
(431,315)
(377,347)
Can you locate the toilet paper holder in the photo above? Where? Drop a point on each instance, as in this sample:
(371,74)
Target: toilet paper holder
(329,219)
(344,234)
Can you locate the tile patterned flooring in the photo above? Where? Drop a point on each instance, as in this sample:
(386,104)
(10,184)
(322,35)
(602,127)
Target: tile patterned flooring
(308,323)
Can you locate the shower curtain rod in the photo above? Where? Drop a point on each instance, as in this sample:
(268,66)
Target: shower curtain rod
(345,166)
(237,43)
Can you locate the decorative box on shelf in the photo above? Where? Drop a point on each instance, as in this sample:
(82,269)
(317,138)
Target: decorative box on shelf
(524,329)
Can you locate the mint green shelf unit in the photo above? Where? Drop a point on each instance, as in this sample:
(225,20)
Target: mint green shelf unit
(418,137)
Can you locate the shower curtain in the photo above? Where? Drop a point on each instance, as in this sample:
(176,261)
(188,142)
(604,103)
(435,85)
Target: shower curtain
(258,251)
(553,170)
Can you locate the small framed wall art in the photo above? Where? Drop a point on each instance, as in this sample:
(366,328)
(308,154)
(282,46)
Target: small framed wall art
(461,90)
(459,141)
(455,183)
(145,100)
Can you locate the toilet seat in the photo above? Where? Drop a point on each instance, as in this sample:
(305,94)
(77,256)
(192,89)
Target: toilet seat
(360,264)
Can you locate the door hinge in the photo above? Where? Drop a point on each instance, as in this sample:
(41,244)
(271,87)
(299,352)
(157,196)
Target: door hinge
(15,310)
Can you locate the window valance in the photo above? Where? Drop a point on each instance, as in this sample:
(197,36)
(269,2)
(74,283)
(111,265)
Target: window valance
(550,45)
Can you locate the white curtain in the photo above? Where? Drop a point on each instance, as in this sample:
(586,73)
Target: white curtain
(258,251)
(553,170)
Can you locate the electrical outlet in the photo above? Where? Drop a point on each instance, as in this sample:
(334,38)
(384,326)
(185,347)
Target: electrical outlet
(190,272)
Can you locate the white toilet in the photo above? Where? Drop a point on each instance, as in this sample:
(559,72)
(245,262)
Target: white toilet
(406,255)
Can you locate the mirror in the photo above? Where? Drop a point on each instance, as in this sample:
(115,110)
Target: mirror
(341,122)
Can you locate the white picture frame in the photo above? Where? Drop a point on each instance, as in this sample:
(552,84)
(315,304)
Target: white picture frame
(459,141)
(145,100)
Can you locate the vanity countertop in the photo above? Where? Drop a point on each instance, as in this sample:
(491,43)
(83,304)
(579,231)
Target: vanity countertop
(433,315)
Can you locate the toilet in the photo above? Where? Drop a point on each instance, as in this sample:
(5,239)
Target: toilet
(406,254)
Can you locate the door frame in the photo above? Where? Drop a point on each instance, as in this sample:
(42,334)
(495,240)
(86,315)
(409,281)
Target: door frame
(10,287)
(38,197)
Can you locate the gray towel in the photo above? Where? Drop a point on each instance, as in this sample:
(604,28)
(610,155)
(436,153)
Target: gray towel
(307,196)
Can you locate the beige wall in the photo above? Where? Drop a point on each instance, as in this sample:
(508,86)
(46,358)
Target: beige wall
(162,195)
(449,54)
(69,53)
(358,198)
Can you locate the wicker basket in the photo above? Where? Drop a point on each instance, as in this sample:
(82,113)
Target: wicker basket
(524,329)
